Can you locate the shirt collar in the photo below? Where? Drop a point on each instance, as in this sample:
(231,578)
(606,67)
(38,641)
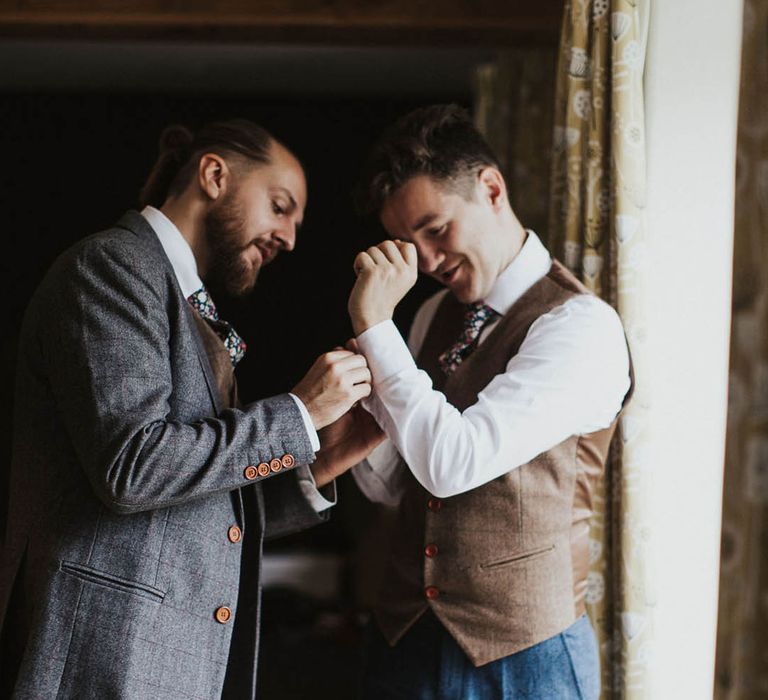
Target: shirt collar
(176,248)
(529,266)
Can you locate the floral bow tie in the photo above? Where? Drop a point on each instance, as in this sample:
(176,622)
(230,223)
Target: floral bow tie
(476,317)
(201,301)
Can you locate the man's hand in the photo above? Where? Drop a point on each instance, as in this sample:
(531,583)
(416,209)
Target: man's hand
(344,443)
(384,274)
(335,382)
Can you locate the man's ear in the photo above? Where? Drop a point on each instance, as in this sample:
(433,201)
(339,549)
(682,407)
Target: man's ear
(492,187)
(213,175)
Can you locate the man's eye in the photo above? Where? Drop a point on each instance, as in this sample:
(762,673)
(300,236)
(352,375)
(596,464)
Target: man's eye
(277,209)
(438,231)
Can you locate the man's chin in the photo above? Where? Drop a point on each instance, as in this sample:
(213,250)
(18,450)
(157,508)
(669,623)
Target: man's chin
(240,286)
(466,295)
(243,290)
(460,292)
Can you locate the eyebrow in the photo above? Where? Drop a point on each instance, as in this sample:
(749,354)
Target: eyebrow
(424,221)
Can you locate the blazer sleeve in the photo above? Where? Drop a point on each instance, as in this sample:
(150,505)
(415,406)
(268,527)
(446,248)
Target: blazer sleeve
(106,336)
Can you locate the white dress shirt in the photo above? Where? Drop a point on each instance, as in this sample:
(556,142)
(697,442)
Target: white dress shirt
(185,268)
(569,377)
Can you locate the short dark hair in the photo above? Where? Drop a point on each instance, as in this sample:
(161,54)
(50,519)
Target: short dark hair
(181,150)
(439,141)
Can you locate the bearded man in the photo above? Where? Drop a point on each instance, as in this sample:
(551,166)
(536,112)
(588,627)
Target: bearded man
(141,488)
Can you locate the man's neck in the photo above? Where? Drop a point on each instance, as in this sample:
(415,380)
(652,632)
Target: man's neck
(189,220)
(516,240)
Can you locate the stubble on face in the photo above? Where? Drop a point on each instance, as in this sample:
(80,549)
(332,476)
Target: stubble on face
(228,269)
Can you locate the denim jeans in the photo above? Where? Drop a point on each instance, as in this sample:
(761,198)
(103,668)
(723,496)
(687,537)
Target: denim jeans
(427,664)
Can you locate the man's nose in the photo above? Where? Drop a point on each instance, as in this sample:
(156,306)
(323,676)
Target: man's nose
(429,258)
(286,236)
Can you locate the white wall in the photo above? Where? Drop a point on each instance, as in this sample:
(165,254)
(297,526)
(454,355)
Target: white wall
(692,78)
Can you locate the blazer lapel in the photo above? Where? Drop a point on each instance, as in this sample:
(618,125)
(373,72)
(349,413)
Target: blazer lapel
(134,222)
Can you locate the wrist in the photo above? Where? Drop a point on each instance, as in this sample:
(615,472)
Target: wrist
(308,407)
(362,323)
(320,470)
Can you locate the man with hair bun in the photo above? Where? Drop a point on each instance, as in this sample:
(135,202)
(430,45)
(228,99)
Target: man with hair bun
(498,430)
(141,487)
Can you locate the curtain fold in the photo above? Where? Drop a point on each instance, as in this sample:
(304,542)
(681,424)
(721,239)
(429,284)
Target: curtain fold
(742,639)
(596,226)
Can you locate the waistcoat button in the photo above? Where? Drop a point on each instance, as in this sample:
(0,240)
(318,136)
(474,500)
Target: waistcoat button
(431,592)
(235,534)
(434,504)
(431,550)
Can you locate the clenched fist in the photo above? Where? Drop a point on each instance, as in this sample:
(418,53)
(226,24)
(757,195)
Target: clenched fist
(335,382)
(385,273)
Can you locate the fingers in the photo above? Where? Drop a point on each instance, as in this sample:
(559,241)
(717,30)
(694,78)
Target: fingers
(360,391)
(359,375)
(335,382)
(394,252)
(391,252)
(350,362)
(399,252)
(363,261)
(335,355)
(408,251)
(352,367)
(346,367)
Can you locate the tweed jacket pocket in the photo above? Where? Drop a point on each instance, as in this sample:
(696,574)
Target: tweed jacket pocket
(103,578)
(518,557)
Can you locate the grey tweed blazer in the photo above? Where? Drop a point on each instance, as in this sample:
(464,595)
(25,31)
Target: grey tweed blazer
(126,477)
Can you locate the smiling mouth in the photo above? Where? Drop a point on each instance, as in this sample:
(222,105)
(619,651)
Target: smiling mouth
(267,254)
(449,275)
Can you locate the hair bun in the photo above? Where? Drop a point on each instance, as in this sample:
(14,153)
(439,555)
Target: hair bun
(175,138)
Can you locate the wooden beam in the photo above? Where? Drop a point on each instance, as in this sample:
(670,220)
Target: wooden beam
(487,23)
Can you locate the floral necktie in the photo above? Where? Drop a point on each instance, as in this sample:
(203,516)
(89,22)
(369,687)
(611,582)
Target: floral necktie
(202,303)
(476,317)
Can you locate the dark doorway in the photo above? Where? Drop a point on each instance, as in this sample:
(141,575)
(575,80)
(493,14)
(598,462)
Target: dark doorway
(75,159)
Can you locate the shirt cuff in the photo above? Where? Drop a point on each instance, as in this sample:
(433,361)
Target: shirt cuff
(385,350)
(319,499)
(314,440)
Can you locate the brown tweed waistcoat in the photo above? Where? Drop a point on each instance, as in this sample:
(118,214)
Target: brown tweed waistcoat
(503,566)
(219,359)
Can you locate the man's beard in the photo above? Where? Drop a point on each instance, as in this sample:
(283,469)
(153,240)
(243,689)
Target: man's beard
(228,271)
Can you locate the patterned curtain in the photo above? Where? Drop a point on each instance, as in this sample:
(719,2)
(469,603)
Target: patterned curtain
(742,639)
(596,226)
